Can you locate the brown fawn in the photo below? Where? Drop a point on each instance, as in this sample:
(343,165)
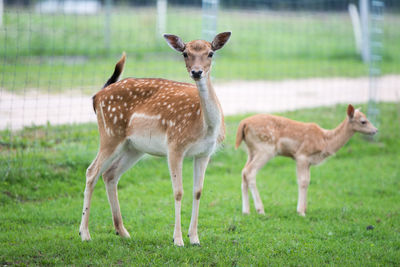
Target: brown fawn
(267,136)
(158,117)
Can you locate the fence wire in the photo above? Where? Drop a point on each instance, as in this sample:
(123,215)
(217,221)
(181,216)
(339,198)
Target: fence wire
(287,56)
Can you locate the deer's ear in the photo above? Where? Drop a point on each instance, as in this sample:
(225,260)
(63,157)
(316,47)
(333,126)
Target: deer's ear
(175,42)
(220,40)
(350,111)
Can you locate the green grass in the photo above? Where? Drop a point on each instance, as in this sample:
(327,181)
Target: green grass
(59,52)
(42,178)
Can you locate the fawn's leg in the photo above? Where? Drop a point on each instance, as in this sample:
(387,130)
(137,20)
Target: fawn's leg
(249,173)
(245,188)
(303,180)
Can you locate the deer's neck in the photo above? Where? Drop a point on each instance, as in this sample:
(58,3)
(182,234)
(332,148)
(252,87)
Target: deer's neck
(210,106)
(339,136)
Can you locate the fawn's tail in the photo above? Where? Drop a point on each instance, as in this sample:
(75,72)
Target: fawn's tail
(240,133)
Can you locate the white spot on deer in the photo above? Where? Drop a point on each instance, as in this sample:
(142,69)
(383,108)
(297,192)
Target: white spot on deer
(169,106)
(125,81)
(115,119)
(163,121)
(121,115)
(108,108)
(144,116)
(125,104)
(111,97)
(198,112)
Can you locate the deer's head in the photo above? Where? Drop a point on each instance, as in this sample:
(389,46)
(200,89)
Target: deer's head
(359,122)
(198,53)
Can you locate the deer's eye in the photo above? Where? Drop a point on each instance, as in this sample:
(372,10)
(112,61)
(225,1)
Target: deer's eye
(185,54)
(210,54)
(363,122)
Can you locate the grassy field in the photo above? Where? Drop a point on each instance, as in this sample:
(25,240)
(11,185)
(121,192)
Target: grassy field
(42,192)
(59,52)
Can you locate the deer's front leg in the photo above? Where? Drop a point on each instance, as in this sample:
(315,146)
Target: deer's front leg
(175,168)
(199,169)
(303,180)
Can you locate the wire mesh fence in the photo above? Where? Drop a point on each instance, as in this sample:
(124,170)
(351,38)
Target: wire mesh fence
(283,55)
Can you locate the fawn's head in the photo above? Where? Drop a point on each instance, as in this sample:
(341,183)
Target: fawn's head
(198,54)
(359,122)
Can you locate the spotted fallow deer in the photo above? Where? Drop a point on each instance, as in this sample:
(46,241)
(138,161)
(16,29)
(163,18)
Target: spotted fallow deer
(158,117)
(267,136)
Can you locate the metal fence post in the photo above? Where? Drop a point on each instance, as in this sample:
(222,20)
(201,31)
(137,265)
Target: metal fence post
(1,12)
(375,50)
(107,25)
(364,17)
(161,18)
(209,21)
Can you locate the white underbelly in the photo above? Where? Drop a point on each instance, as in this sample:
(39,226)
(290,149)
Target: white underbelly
(203,147)
(153,144)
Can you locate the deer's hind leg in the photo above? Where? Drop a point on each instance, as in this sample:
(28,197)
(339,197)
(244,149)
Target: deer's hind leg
(111,176)
(245,188)
(257,159)
(105,156)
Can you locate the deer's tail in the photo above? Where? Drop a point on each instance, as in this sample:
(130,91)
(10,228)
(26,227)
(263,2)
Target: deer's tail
(240,133)
(119,67)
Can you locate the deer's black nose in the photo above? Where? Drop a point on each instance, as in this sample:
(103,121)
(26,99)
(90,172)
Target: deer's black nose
(196,74)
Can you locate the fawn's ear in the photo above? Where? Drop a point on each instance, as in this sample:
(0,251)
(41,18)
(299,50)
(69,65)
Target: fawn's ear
(350,111)
(220,40)
(175,42)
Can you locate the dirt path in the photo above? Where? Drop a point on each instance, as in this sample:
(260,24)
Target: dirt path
(236,97)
